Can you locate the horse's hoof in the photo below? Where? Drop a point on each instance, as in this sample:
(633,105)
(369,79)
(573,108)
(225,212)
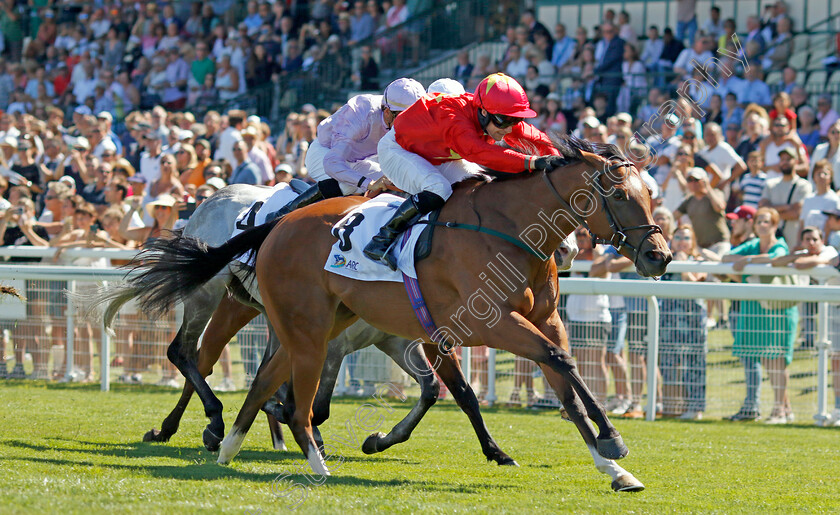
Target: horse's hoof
(507,461)
(280,446)
(612,448)
(627,483)
(155,436)
(211,441)
(369,445)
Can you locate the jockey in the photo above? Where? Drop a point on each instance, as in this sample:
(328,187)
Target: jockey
(443,139)
(342,159)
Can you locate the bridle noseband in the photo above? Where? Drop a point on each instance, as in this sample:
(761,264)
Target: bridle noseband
(619,236)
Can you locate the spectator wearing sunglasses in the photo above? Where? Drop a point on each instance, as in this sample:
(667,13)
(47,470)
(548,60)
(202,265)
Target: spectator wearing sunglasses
(705,208)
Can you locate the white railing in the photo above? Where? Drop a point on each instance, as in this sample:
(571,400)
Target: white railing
(651,290)
(28,251)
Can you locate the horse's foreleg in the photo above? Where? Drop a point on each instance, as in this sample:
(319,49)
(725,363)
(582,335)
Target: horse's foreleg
(449,370)
(623,481)
(518,335)
(413,361)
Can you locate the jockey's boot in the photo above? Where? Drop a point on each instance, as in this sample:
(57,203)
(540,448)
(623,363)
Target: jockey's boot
(310,196)
(409,212)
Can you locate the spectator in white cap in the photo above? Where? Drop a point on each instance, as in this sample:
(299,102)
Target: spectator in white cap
(70,182)
(99,141)
(106,120)
(251,137)
(150,158)
(706,209)
(216,182)
(283,173)
(173,141)
(224,147)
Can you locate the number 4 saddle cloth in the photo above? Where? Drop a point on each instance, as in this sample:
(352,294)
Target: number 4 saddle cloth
(355,230)
(255,214)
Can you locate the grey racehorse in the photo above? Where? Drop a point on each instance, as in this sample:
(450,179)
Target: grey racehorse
(213,223)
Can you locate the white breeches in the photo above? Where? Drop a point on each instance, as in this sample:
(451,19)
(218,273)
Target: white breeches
(413,174)
(315,168)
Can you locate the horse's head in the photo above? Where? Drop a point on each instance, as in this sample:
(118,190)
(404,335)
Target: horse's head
(621,214)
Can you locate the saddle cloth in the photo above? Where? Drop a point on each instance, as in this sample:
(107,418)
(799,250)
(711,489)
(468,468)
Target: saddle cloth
(256,213)
(355,230)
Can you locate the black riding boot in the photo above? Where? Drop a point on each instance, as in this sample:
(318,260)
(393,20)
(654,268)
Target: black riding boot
(310,196)
(406,215)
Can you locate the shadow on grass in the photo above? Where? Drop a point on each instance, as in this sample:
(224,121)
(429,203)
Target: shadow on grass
(212,471)
(94,387)
(187,454)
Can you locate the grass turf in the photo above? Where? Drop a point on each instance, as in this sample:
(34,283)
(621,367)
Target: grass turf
(73,449)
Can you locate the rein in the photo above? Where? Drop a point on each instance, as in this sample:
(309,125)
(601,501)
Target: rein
(619,236)
(477,228)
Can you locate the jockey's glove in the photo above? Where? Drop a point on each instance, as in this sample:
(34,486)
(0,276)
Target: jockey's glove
(546,163)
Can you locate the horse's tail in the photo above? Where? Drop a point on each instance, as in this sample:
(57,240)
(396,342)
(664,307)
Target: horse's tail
(172,269)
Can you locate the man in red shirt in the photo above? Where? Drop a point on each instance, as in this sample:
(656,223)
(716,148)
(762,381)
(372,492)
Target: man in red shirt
(443,139)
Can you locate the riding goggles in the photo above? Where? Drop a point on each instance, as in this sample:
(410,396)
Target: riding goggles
(503,121)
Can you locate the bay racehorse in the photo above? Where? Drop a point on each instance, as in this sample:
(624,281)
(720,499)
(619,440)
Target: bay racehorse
(307,306)
(227,302)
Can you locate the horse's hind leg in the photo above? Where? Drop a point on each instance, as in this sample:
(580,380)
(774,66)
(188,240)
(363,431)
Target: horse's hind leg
(272,373)
(227,319)
(411,359)
(452,376)
(306,343)
(208,355)
(181,353)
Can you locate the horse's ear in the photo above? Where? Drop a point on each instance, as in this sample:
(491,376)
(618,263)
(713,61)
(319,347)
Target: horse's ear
(594,160)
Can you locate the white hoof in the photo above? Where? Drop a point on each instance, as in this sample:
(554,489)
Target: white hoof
(230,446)
(316,461)
(627,483)
(280,446)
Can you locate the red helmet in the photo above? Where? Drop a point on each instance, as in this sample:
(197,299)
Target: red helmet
(501,94)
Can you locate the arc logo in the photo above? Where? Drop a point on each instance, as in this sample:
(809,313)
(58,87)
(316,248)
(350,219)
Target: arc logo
(340,261)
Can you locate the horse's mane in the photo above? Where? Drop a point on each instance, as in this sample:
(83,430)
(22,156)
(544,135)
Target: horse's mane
(570,148)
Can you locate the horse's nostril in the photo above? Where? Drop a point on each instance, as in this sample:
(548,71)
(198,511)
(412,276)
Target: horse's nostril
(656,256)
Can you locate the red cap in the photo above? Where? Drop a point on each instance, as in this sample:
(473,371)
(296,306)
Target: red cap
(501,94)
(742,212)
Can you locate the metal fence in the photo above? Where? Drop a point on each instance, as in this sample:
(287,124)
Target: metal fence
(654,354)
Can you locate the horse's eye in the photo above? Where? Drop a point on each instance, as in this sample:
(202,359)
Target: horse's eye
(619,195)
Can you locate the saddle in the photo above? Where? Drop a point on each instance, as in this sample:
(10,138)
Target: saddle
(424,244)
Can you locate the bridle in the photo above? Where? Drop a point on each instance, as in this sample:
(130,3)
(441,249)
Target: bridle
(619,235)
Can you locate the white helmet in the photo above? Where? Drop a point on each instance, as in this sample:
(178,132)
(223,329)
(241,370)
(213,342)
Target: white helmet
(401,93)
(447,87)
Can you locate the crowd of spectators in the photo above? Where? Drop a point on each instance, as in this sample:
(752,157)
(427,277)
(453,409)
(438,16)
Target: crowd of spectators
(78,184)
(119,56)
